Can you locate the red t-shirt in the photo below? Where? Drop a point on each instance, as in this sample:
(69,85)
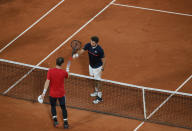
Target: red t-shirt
(56,77)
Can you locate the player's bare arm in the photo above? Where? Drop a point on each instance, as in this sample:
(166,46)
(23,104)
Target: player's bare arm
(46,85)
(104,61)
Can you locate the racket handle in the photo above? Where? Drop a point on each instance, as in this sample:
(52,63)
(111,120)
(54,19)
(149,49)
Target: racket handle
(68,64)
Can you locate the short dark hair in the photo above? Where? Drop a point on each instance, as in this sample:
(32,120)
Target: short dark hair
(95,39)
(59,61)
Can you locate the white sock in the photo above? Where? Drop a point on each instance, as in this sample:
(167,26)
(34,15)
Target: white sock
(96,89)
(65,119)
(54,117)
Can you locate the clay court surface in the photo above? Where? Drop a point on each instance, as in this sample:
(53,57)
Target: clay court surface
(143,47)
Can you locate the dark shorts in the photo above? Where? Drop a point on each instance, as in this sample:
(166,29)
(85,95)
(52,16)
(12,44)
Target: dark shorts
(53,100)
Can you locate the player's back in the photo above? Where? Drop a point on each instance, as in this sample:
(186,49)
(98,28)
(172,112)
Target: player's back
(56,77)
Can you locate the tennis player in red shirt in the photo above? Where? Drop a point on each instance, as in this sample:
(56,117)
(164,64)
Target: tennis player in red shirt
(55,80)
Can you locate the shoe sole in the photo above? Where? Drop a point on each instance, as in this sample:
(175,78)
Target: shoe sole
(98,102)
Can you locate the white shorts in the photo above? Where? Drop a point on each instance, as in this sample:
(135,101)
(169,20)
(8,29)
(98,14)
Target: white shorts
(95,72)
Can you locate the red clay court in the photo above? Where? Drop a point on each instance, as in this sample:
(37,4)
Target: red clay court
(147,43)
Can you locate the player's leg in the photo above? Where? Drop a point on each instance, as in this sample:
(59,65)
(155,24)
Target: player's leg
(95,85)
(97,75)
(53,110)
(64,111)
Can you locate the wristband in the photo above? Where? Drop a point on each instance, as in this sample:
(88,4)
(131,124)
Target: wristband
(44,91)
(67,69)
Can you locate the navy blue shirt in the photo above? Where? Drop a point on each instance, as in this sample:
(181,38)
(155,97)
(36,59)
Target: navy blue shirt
(95,55)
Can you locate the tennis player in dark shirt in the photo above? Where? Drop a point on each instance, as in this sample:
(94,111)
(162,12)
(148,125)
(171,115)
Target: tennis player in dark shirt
(96,64)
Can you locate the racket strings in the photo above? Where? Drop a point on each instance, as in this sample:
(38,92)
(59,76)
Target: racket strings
(75,44)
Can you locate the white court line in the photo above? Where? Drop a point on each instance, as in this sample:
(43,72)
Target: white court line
(163,11)
(165,101)
(58,47)
(31,25)
(139,126)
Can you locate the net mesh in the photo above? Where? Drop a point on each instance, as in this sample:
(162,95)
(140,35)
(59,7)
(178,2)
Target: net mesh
(119,99)
(29,88)
(176,111)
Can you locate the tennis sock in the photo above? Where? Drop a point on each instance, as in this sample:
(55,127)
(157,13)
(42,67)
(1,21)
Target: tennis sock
(65,119)
(54,117)
(96,89)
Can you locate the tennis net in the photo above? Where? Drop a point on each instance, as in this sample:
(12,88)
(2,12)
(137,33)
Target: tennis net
(120,99)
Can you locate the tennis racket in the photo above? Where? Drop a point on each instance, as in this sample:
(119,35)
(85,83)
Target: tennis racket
(75,45)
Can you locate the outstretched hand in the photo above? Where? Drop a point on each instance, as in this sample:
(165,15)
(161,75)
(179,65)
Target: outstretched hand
(75,55)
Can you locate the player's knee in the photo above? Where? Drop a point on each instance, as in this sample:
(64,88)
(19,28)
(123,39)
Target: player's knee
(63,107)
(53,105)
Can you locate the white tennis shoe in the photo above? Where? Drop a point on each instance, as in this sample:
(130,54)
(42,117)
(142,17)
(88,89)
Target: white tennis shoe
(98,100)
(94,94)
